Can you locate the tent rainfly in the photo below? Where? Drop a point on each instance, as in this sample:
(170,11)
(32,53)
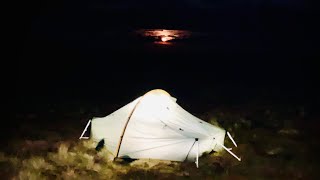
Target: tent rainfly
(154,126)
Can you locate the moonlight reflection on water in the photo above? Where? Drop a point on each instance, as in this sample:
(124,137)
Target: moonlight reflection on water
(164,35)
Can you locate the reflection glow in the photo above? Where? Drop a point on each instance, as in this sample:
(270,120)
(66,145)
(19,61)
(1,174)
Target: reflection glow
(166,38)
(164,35)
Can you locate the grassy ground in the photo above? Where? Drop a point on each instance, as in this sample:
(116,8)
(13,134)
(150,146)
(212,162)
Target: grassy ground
(273,142)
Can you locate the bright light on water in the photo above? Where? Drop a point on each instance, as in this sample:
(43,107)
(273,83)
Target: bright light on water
(164,35)
(166,38)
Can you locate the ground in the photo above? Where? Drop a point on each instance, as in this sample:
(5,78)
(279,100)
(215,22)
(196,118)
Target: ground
(274,142)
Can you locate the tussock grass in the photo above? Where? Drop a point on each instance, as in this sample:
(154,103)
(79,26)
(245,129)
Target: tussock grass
(81,161)
(268,151)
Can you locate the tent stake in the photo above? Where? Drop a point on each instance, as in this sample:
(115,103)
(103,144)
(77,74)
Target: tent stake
(239,159)
(85,129)
(232,139)
(197,160)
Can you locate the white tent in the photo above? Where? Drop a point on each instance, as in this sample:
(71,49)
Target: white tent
(154,126)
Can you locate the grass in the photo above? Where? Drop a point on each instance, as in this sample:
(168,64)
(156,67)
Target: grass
(282,150)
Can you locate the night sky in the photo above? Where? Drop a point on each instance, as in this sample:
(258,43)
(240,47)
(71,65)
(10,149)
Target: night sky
(86,51)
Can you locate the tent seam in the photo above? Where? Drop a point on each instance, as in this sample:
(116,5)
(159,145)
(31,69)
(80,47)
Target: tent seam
(125,127)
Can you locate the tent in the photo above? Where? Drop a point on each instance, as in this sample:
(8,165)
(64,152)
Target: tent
(154,126)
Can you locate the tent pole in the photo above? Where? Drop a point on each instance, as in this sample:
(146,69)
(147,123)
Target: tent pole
(125,127)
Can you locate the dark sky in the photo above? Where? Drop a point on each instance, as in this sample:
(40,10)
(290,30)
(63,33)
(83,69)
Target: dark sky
(86,50)
(294,4)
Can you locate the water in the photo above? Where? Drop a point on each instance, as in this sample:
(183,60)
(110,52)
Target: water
(92,53)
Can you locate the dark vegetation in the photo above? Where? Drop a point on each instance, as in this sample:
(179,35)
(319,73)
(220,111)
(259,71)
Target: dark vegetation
(274,142)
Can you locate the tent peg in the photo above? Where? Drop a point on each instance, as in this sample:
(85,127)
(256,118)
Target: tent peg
(229,135)
(239,159)
(85,129)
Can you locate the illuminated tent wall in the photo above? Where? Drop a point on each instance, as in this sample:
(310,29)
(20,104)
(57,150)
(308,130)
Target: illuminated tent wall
(154,126)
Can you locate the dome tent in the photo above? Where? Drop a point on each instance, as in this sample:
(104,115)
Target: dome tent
(154,126)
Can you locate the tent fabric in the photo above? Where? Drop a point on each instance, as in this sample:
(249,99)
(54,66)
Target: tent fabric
(110,127)
(154,126)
